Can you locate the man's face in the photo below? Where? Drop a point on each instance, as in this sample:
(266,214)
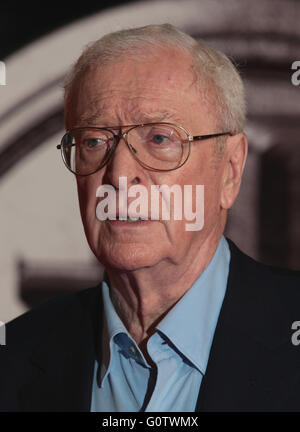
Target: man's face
(129,92)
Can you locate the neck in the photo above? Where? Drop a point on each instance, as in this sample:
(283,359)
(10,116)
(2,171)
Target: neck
(144,296)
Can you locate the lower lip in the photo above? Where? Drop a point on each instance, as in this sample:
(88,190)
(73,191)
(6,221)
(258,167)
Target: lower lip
(129,224)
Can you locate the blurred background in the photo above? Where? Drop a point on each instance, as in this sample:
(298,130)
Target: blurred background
(43,248)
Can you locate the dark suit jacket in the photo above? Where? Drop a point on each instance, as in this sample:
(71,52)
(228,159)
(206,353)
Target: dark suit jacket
(47,364)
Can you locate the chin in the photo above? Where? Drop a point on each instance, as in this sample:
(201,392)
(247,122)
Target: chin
(127,258)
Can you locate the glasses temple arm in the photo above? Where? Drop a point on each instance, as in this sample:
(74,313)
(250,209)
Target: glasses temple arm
(203,137)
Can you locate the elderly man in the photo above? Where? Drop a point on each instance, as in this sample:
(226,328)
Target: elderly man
(183,320)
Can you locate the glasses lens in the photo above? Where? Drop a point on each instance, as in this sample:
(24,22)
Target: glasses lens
(86,150)
(159,146)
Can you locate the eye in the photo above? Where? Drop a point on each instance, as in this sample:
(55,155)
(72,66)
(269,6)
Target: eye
(160,139)
(94,142)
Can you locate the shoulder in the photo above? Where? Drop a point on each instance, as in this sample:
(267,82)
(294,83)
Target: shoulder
(29,328)
(43,338)
(241,262)
(263,285)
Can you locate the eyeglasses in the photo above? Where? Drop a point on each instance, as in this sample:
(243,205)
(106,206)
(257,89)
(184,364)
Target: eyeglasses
(155,146)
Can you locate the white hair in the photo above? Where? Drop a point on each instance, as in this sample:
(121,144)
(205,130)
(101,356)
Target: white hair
(211,66)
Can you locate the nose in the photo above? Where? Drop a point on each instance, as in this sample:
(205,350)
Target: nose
(122,164)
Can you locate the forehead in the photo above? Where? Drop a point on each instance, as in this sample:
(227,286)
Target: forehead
(132,90)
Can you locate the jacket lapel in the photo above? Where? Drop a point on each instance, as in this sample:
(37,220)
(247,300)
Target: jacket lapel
(252,362)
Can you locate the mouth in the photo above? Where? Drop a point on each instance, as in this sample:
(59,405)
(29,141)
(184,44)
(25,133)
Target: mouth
(134,219)
(129,221)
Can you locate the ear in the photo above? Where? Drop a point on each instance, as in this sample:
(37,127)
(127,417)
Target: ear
(234,162)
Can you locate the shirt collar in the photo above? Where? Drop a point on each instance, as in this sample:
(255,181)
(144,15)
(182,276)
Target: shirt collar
(191,323)
(112,326)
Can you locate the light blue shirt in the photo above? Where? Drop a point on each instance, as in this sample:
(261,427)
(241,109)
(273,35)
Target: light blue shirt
(180,346)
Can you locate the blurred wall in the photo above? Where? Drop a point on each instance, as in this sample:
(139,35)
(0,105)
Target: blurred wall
(43,248)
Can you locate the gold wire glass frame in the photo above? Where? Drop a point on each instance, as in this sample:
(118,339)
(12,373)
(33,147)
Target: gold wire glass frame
(178,140)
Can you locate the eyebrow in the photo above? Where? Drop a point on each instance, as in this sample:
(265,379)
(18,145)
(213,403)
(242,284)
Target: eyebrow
(141,118)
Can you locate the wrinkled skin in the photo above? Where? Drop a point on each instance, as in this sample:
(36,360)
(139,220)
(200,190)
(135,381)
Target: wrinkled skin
(152,265)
